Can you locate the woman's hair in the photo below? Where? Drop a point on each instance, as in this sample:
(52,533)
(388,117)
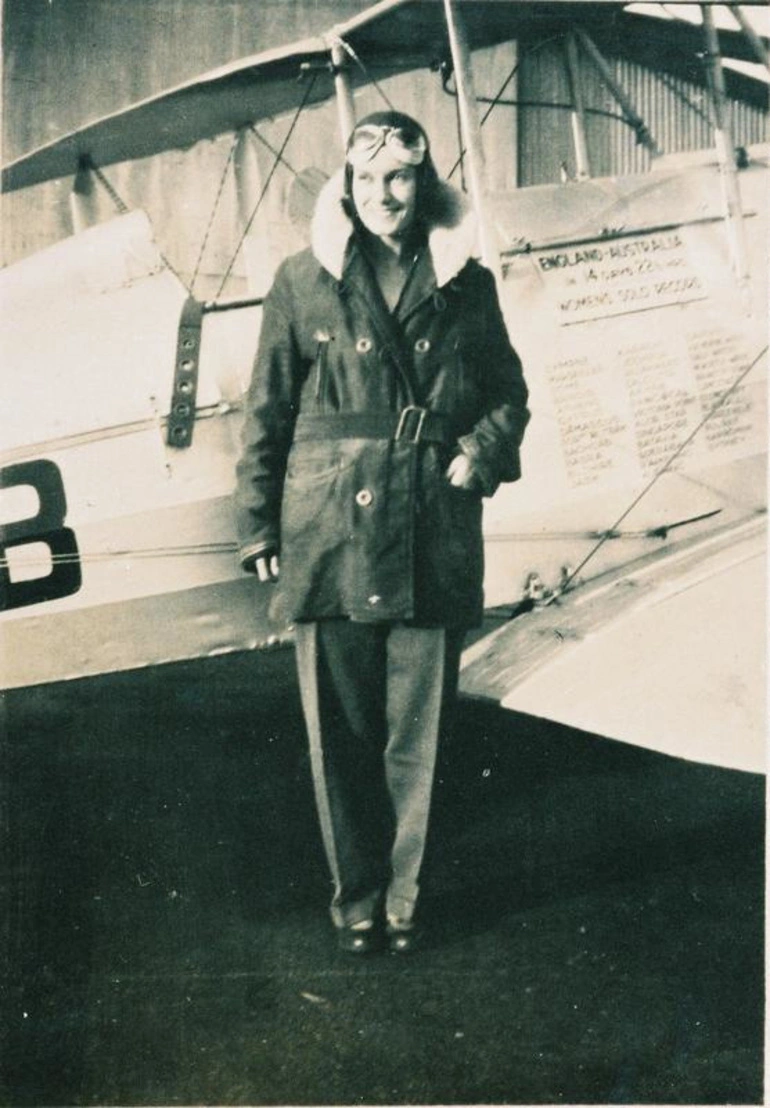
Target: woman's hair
(428,200)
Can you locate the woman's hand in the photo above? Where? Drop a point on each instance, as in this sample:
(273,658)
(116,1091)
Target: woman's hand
(267,568)
(460,473)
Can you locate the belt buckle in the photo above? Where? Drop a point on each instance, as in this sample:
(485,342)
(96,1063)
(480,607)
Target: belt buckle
(404,419)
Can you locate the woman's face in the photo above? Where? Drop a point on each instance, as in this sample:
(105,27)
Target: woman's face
(385,195)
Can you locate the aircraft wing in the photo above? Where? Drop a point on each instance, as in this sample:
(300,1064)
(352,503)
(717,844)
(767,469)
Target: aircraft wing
(668,653)
(388,37)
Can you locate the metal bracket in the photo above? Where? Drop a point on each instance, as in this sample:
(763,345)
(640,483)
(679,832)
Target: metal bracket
(181,418)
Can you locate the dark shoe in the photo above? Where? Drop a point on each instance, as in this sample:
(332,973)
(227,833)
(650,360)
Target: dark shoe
(356,940)
(403,938)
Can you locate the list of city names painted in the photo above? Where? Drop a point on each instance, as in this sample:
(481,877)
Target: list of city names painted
(623,412)
(592,418)
(664,407)
(601,279)
(718,357)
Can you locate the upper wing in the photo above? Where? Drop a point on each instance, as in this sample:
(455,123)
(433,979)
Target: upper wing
(391,36)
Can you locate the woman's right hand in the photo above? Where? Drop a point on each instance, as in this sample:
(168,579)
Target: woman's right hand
(267,568)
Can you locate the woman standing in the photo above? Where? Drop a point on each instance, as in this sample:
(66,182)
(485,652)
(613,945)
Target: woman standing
(385,402)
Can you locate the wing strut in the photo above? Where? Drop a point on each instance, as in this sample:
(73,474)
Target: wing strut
(724,145)
(346,109)
(83,198)
(643,135)
(461,59)
(578,115)
(757,45)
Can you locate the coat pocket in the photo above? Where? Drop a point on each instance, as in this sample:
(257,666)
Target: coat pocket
(316,524)
(312,462)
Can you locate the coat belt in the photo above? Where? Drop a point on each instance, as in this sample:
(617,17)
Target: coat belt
(412,424)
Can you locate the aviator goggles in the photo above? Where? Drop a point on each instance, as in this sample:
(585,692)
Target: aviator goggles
(368,139)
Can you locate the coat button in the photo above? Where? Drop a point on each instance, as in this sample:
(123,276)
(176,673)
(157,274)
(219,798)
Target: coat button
(422,346)
(364,345)
(364,497)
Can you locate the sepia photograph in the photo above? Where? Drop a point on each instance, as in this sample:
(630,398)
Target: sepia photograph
(383,552)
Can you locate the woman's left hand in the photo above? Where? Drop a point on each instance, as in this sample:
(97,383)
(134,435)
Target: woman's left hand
(460,473)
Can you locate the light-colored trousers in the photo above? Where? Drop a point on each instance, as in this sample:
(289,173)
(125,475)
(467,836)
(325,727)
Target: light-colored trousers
(375,698)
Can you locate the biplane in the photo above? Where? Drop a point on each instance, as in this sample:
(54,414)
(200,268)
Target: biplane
(626,572)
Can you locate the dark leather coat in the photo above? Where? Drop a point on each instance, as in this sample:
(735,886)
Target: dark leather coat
(367,524)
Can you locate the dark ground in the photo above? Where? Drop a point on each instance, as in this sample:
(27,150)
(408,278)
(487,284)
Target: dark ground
(597,913)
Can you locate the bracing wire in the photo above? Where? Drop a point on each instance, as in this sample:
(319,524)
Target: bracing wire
(372,80)
(719,403)
(671,85)
(214,209)
(484,118)
(123,208)
(277,154)
(266,185)
(497,99)
(107,185)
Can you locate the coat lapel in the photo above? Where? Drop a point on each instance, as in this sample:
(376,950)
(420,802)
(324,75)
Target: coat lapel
(360,281)
(420,286)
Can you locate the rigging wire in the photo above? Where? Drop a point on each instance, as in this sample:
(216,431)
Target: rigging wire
(214,210)
(719,403)
(266,185)
(367,74)
(106,184)
(672,86)
(496,99)
(484,118)
(551,104)
(277,154)
(123,208)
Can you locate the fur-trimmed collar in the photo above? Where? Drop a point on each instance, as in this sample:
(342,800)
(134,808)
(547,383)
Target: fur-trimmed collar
(452,240)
